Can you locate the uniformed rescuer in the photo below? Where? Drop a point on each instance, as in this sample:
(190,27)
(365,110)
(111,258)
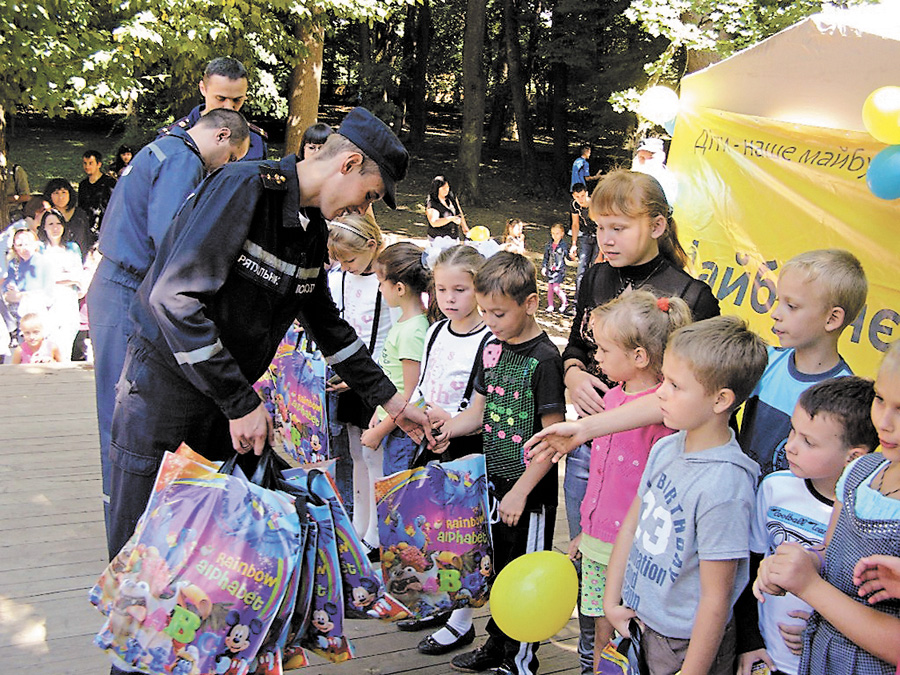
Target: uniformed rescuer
(241,261)
(144,202)
(224,85)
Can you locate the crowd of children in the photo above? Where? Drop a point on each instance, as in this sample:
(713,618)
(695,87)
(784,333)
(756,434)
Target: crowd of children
(678,541)
(716,571)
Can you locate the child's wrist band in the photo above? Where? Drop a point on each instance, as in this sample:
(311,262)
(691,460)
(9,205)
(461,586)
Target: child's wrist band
(570,366)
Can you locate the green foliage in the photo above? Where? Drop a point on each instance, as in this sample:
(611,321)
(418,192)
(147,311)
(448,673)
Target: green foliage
(103,53)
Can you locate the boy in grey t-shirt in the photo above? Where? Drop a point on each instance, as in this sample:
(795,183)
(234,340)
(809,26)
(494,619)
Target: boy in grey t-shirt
(680,560)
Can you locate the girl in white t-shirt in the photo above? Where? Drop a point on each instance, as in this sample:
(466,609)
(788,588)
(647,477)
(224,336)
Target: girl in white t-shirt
(354,241)
(448,363)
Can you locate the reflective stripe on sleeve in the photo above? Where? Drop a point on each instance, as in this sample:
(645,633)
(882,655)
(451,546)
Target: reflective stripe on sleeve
(198,355)
(157,152)
(344,353)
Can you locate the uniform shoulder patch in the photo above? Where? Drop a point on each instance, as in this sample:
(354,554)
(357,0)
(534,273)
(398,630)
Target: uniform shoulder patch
(272,177)
(258,130)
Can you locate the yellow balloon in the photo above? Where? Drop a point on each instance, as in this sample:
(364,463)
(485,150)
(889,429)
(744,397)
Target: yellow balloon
(881,115)
(534,595)
(479,233)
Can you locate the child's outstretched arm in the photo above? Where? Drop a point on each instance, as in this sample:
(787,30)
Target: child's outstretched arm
(560,439)
(716,583)
(878,575)
(618,614)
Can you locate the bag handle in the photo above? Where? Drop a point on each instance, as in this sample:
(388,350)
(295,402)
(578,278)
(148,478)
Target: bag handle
(263,470)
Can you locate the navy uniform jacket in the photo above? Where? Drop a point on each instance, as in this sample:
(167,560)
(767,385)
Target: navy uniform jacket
(258,137)
(149,193)
(237,266)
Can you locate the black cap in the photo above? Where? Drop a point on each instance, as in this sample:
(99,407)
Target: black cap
(376,139)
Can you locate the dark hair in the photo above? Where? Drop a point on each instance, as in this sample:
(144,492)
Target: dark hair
(583,147)
(436,184)
(93,153)
(55,184)
(509,274)
(226,67)
(579,187)
(635,194)
(232,120)
(42,232)
(316,134)
(118,163)
(849,401)
(33,206)
(402,263)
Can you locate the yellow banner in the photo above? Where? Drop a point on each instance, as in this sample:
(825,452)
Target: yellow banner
(754,192)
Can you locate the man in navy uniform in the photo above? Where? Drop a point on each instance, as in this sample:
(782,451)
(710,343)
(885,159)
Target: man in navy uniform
(224,85)
(241,261)
(150,191)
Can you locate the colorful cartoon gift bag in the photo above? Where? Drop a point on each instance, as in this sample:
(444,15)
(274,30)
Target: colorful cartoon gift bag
(209,566)
(434,527)
(293,390)
(362,586)
(325,634)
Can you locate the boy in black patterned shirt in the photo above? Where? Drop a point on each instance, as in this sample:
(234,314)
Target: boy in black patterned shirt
(518,390)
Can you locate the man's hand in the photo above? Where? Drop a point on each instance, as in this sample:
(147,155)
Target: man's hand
(413,420)
(554,442)
(586,391)
(252,431)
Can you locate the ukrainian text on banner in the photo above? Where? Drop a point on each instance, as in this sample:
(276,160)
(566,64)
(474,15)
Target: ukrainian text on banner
(753,192)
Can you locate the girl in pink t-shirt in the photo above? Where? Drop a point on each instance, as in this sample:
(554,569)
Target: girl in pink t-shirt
(35,347)
(631,333)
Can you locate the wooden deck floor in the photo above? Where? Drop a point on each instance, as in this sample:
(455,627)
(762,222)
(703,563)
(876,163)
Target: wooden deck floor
(52,543)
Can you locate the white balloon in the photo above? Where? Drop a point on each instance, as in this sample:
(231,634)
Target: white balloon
(658,104)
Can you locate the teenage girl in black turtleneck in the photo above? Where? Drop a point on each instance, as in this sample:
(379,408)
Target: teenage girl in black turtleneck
(636,232)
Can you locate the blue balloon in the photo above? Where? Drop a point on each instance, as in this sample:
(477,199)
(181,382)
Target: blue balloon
(883,177)
(670,125)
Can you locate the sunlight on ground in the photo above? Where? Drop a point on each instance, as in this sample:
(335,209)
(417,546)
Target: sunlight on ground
(21,627)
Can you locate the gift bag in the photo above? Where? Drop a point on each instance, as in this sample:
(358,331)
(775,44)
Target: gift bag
(434,526)
(293,391)
(206,573)
(325,633)
(622,656)
(363,590)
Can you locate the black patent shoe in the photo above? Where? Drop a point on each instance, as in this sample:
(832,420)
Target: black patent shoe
(431,647)
(411,625)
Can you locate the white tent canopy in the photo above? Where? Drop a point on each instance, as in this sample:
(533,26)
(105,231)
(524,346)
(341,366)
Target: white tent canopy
(818,72)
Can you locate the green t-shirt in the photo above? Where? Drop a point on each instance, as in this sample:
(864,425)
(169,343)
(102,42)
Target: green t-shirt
(405,341)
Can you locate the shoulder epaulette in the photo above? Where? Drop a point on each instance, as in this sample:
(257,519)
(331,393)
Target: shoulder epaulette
(258,130)
(272,177)
(184,122)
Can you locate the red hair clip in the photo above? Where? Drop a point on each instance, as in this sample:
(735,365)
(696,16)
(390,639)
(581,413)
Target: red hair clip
(663,304)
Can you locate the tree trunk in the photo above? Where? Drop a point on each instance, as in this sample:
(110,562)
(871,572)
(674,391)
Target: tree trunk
(306,78)
(517,90)
(472,131)
(559,112)
(498,120)
(417,109)
(4,163)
